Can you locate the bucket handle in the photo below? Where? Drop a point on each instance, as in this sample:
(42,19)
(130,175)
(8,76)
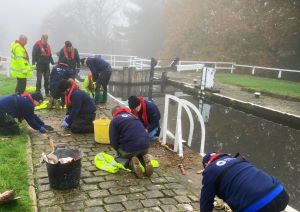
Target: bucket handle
(62,146)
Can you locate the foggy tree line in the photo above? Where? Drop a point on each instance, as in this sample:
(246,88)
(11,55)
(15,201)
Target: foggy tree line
(258,32)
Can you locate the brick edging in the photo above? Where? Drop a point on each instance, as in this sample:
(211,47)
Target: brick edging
(31,185)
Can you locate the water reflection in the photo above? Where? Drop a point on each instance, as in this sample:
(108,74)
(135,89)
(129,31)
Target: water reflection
(270,146)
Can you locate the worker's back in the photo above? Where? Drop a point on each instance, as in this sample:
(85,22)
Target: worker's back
(239,186)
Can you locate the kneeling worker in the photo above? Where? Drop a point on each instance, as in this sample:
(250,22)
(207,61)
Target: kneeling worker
(58,73)
(21,107)
(81,110)
(240,184)
(129,138)
(148,113)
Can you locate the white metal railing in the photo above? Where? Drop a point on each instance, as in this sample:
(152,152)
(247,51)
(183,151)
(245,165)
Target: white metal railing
(5,64)
(119,61)
(187,65)
(178,140)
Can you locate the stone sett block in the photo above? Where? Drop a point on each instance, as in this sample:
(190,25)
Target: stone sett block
(185,207)
(135,196)
(93,180)
(101,173)
(172,179)
(43,181)
(108,184)
(174,186)
(89,187)
(168,193)
(153,209)
(132,205)
(169,208)
(49,202)
(91,168)
(73,206)
(114,207)
(168,201)
(153,194)
(98,193)
(115,199)
(94,209)
(42,188)
(73,197)
(154,187)
(181,192)
(150,202)
(159,180)
(194,198)
(119,190)
(182,199)
(134,189)
(85,174)
(45,195)
(128,182)
(94,202)
(50,209)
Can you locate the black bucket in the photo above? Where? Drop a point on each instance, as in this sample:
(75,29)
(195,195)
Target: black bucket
(65,176)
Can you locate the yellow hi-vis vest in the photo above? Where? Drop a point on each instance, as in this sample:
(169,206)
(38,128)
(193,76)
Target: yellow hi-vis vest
(85,86)
(19,64)
(107,163)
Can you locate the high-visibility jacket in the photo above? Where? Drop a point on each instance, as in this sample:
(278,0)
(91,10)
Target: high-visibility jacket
(89,86)
(108,163)
(19,64)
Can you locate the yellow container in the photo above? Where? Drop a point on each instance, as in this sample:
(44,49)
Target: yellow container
(101,130)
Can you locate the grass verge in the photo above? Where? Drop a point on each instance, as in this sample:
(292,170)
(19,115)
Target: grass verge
(13,168)
(275,86)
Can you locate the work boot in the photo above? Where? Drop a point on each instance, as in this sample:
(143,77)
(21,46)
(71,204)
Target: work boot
(135,166)
(148,165)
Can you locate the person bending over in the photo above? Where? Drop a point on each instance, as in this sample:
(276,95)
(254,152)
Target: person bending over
(129,138)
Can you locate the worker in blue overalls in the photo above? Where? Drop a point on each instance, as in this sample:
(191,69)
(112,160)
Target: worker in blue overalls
(240,184)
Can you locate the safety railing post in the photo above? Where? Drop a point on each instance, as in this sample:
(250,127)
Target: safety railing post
(165,120)
(253,70)
(279,74)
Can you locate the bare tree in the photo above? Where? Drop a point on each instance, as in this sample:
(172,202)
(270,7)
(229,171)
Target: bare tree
(88,24)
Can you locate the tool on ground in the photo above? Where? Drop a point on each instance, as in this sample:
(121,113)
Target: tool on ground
(200,171)
(182,170)
(63,134)
(168,148)
(8,196)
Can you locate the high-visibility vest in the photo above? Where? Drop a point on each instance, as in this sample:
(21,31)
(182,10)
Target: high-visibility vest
(87,84)
(107,163)
(19,63)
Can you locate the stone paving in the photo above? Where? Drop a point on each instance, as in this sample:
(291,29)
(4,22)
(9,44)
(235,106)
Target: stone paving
(99,190)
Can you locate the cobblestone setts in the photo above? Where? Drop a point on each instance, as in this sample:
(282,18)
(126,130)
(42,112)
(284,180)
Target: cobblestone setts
(101,191)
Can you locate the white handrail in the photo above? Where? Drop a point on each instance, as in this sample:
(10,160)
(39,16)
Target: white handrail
(182,103)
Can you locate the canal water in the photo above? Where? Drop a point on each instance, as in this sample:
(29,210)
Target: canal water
(270,146)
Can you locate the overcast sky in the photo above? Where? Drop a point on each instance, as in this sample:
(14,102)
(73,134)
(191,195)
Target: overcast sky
(23,17)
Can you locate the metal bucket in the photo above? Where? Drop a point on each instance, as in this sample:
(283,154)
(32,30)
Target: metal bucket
(67,175)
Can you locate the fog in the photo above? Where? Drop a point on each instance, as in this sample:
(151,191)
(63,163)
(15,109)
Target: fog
(23,17)
(258,32)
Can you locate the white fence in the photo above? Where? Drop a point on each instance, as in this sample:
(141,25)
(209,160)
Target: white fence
(192,65)
(5,65)
(178,140)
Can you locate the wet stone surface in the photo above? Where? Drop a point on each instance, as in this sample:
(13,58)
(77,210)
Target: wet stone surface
(99,190)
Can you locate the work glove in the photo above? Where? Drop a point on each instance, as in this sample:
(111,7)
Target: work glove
(42,130)
(65,125)
(65,118)
(49,128)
